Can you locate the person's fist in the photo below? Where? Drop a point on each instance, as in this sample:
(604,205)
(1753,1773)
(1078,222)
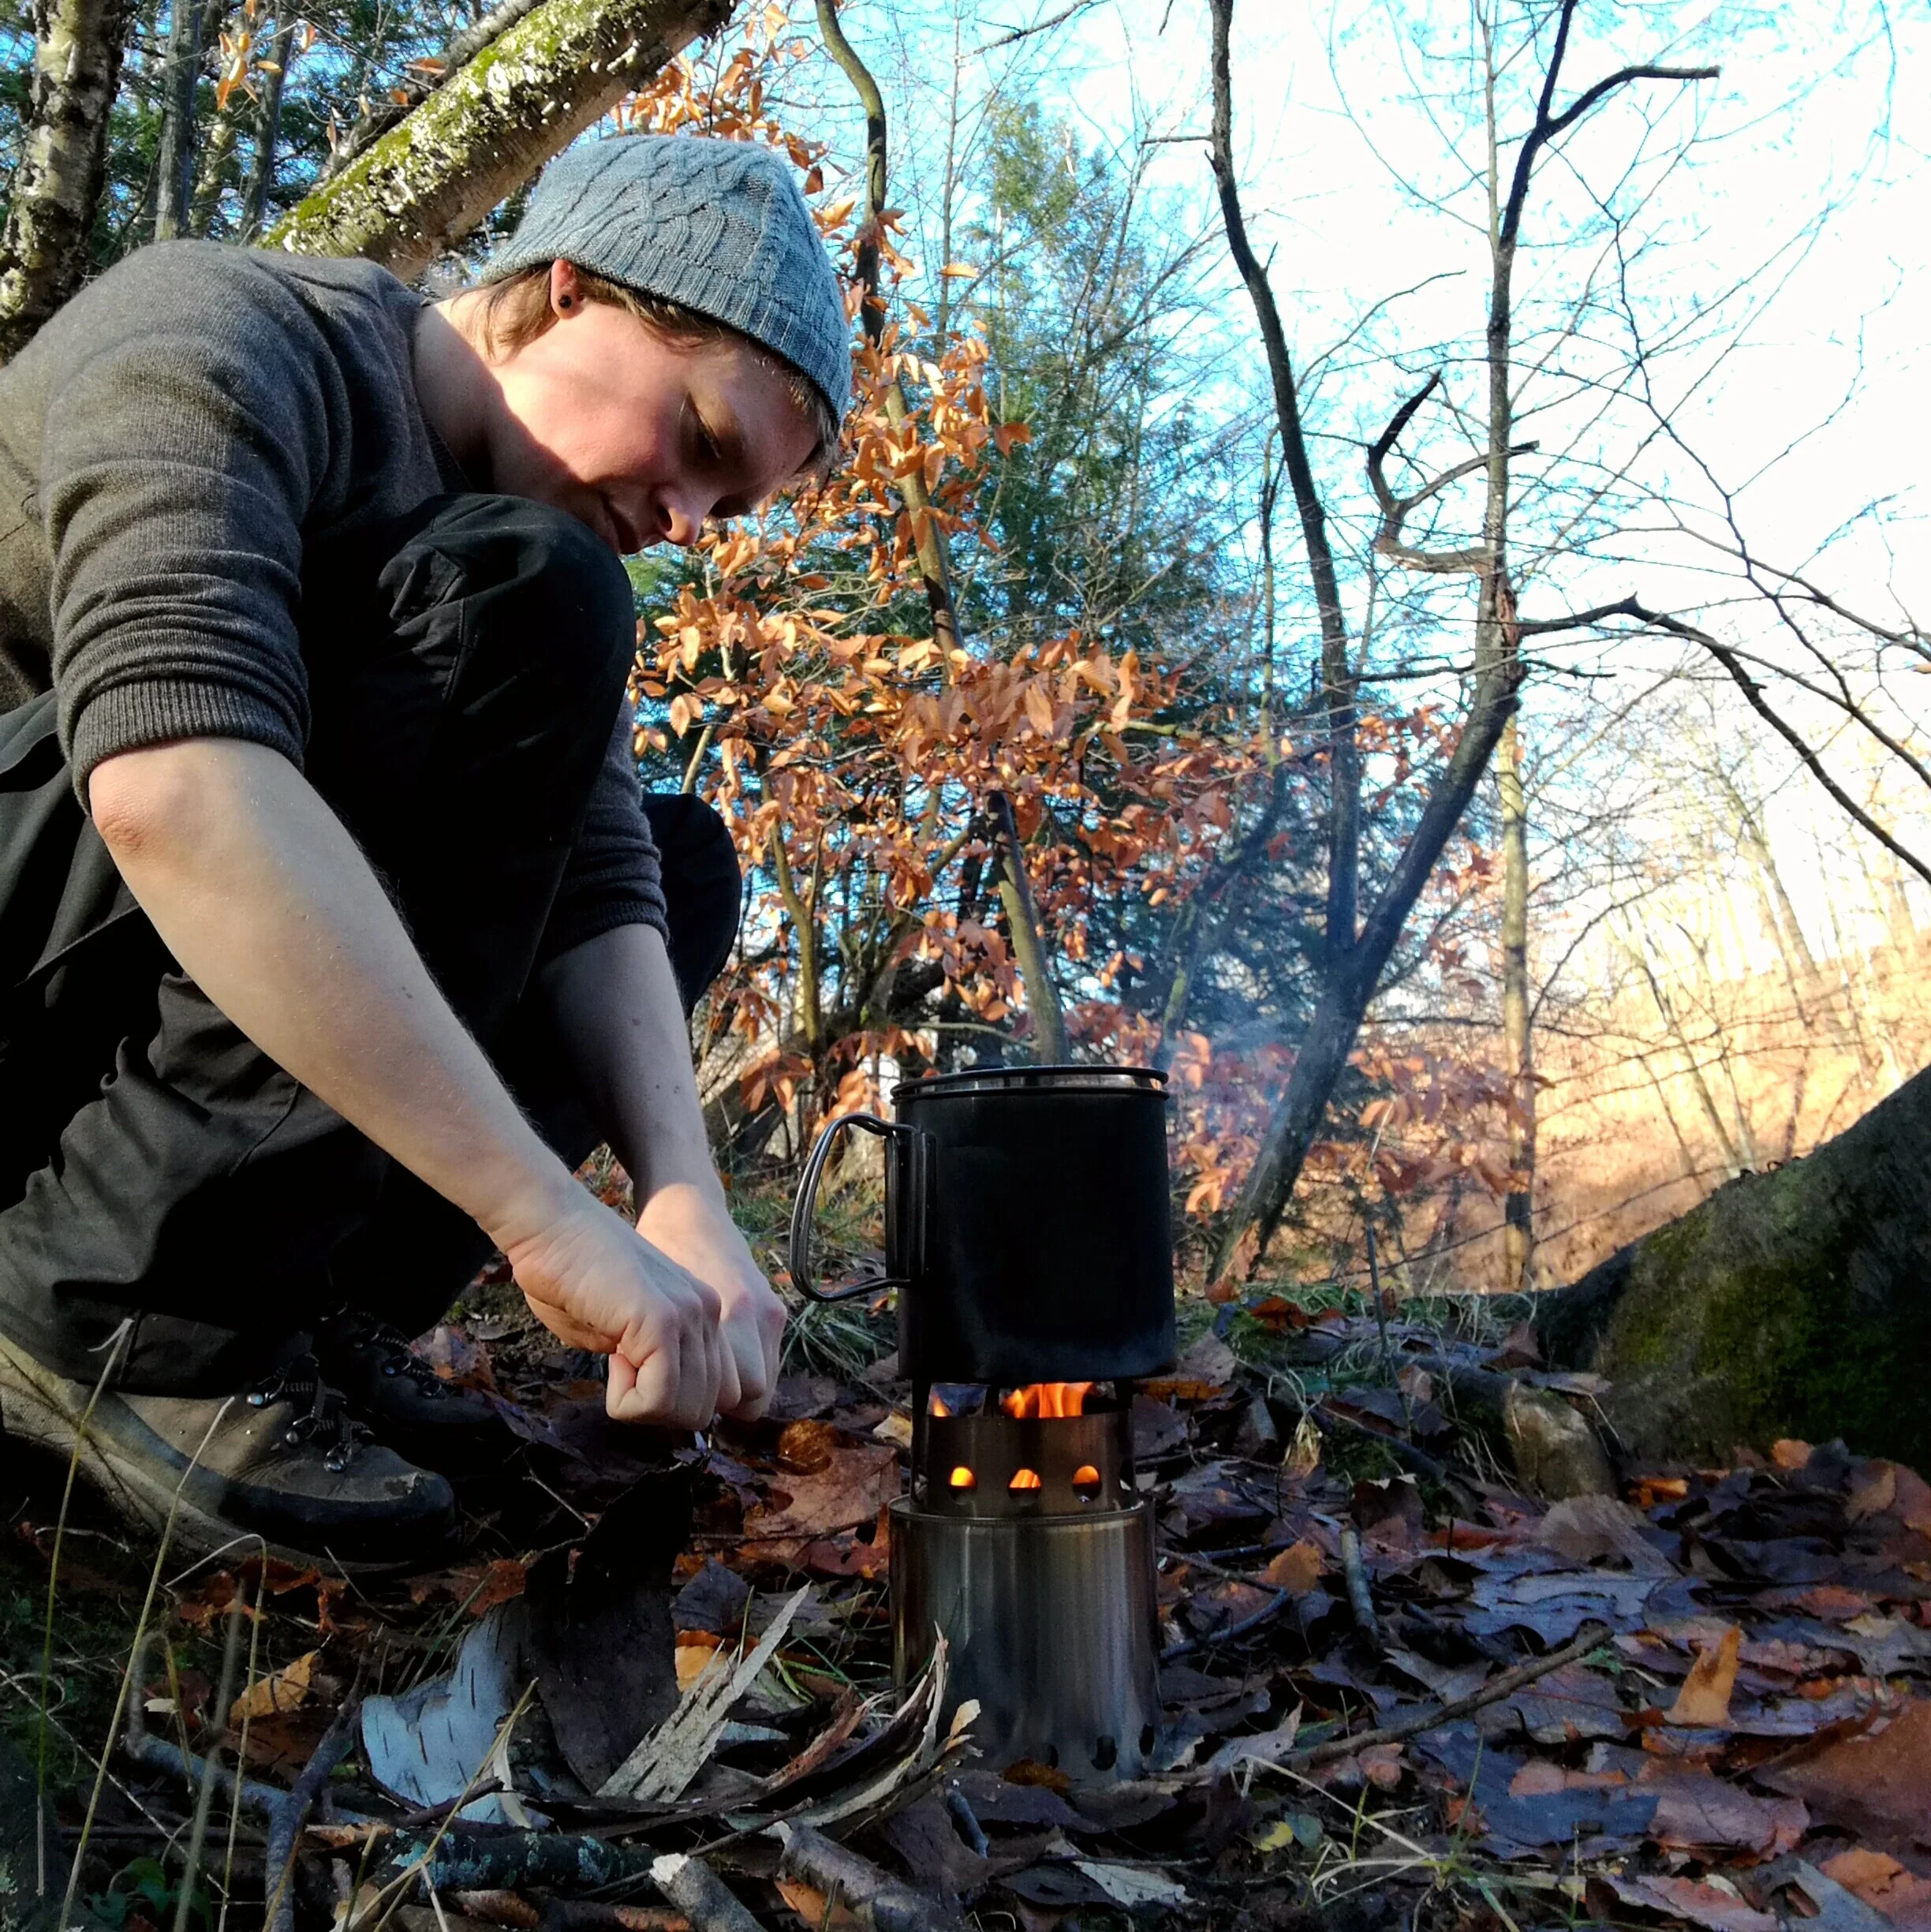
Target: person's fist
(692,1226)
(596,1282)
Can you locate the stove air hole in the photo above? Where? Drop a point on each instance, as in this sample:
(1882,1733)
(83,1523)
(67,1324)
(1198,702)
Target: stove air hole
(1106,1754)
(963,1478)
(1024,1479)
(1086,1487)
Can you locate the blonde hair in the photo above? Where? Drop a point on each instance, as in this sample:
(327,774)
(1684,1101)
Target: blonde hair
(516,310)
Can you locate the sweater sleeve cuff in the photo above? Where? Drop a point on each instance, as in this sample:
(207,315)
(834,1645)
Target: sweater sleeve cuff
(127,717)
(570,926)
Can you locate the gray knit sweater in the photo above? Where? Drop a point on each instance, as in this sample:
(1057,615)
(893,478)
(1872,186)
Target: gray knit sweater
(170,444)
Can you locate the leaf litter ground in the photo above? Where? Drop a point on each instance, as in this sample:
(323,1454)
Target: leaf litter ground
(645,1648)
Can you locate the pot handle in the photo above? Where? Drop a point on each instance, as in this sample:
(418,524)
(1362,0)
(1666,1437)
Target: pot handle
(807,1202)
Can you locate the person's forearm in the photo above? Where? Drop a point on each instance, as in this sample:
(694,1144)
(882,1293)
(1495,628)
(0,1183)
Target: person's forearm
(614,1002)
(259,892)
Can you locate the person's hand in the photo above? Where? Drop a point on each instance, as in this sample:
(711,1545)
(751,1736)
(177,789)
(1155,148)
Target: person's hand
(691,1225)
(592,1281)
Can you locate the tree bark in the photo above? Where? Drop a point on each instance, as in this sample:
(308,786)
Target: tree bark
(1790,1303)
(268,131)
(175,159)
(1518,1052)
(420,188)
(44,255)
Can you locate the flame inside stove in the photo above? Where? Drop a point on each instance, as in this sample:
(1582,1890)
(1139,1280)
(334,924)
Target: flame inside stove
(1046,1399)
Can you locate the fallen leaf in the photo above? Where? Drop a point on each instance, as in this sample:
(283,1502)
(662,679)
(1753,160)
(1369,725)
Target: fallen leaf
(1130,1885)
(1877,1783)
(1702,1813)
(1789,1453)
(1703,1702)
(853,1483)
(820,1912)
(476,1587)
(1885,1885)
(285,1690)
(1686,1898)
(1296,1568)
(1593,1529)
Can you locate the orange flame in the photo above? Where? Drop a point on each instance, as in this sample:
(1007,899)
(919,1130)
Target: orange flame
(963,1478)
(1046,1399)
(1024,1479)
(937,1407)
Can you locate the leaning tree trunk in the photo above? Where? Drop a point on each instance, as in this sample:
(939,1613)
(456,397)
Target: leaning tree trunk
(420,188)
(1795,1303)
(43,256)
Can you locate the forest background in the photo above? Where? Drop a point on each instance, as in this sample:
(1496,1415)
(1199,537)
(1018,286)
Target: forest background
(1490,772)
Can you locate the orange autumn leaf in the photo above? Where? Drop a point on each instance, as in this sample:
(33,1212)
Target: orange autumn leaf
(1703,1702)
(1296,1568)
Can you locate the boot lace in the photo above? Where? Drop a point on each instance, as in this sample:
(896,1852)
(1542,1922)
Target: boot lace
(327,1419)
(399,1359)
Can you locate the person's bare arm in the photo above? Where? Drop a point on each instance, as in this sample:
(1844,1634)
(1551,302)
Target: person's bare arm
(262,896)
(615,1002)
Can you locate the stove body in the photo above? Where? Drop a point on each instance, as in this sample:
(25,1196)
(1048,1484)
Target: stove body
(1027,1232)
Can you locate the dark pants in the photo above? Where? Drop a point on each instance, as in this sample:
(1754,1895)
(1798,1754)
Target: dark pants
(466,666)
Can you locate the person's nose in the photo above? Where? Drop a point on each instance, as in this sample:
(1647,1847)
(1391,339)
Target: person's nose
(680,517)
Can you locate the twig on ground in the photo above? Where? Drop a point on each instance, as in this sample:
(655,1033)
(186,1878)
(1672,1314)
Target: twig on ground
(1492,1692)
(1228,1632)
(204,1796)
(1359,1601)
(879,1902)
(1417,1462)
(695,1890)
(285,1828)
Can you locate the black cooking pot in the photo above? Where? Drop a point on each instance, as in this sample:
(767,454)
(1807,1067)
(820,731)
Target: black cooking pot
(1026,1225)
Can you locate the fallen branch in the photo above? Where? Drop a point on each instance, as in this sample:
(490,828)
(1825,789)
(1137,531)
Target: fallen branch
(1359,1601)
(879,1902)
(1492,1692)
(691,1885)
(285,1827)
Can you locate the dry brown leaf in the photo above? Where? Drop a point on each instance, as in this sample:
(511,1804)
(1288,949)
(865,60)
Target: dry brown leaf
(1296,1568)
(1698,1812)
(1789,1453)
(1885,1885)
(1703,1702)
(1873,1492)
(1685,1898)
(853,1484)
(695,1649)
(286,1689)
(1878,1783)
(476,1587)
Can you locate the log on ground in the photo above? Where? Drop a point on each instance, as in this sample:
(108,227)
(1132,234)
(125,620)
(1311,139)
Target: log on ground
(1795,1303)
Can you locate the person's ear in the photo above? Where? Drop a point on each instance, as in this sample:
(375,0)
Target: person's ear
(566,296)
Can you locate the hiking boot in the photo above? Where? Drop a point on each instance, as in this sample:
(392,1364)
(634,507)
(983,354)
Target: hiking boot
(438,1424)
(282,1461)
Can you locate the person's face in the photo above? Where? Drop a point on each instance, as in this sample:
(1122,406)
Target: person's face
(642,439)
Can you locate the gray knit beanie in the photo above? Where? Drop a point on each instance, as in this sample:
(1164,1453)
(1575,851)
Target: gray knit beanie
(718,226)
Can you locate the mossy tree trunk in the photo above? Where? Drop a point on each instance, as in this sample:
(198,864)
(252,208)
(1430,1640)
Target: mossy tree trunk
(1794,1302)
(421,188)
